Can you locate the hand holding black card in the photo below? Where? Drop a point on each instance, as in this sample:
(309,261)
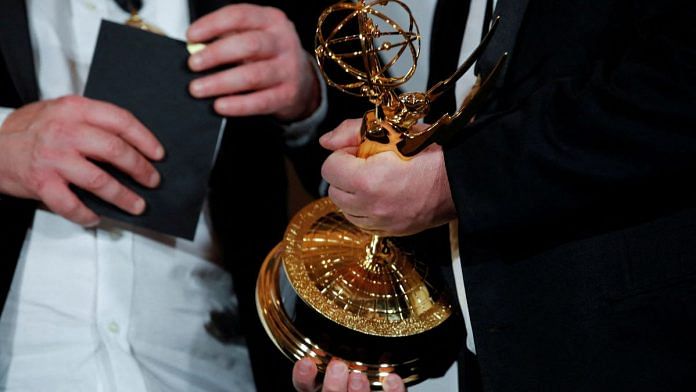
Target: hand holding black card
(147,74)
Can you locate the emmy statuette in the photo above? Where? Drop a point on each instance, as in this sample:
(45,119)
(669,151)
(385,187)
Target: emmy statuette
(330,289)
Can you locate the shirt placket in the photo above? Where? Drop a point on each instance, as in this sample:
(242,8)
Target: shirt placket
(115,279)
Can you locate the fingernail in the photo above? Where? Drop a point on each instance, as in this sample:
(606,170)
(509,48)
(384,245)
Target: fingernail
(197,88)
(139,206)
(154,179)
(326,138)
(392,381)
(93,224)
(221,106)
(196,61)
(159,152)
(304,367)
(338,368)
(356,382)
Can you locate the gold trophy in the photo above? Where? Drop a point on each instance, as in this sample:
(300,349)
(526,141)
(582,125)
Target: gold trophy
(330,289)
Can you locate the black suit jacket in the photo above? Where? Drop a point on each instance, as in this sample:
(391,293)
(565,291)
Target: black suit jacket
(577,216)
(246,196)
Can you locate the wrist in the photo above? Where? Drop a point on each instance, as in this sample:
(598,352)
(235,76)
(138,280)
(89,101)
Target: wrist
(302,131)
(309,95)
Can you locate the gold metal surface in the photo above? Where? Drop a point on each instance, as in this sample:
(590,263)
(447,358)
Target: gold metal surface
(293,344)
(368,77)
(350,61)
(357,279)
(135,20)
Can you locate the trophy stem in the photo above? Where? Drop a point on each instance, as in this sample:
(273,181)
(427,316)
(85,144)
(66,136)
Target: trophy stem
(379,251)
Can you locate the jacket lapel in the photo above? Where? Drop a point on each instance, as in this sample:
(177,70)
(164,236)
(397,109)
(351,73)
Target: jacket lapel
(15,45)
(446,37)
(511,13)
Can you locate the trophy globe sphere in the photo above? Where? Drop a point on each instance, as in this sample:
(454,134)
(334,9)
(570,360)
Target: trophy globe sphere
(359,47)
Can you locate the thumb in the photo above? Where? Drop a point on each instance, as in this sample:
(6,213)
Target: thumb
(345,135)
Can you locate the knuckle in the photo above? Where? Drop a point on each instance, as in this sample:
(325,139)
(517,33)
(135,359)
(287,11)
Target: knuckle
(55,129)
(70,101)
(43,158)
(125,119)
(122,196)
(97,181)
(41,153)
(115,148)
(253,44)
(70,104)
(68,207)
(275,15)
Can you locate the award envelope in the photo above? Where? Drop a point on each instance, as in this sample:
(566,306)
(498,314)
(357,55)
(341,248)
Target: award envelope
(148,75)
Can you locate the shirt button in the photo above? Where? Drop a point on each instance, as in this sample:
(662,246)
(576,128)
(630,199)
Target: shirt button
(115,234)
(113,327)
(90,6)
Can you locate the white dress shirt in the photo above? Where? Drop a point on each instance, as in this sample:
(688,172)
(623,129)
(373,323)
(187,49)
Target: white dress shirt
(110,309)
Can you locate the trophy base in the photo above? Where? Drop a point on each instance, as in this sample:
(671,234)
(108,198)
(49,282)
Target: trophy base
(299,331)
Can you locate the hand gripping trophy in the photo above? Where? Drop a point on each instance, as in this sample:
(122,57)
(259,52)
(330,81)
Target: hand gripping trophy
(330,289)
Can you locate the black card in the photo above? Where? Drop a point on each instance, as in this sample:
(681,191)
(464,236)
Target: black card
(148,75)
